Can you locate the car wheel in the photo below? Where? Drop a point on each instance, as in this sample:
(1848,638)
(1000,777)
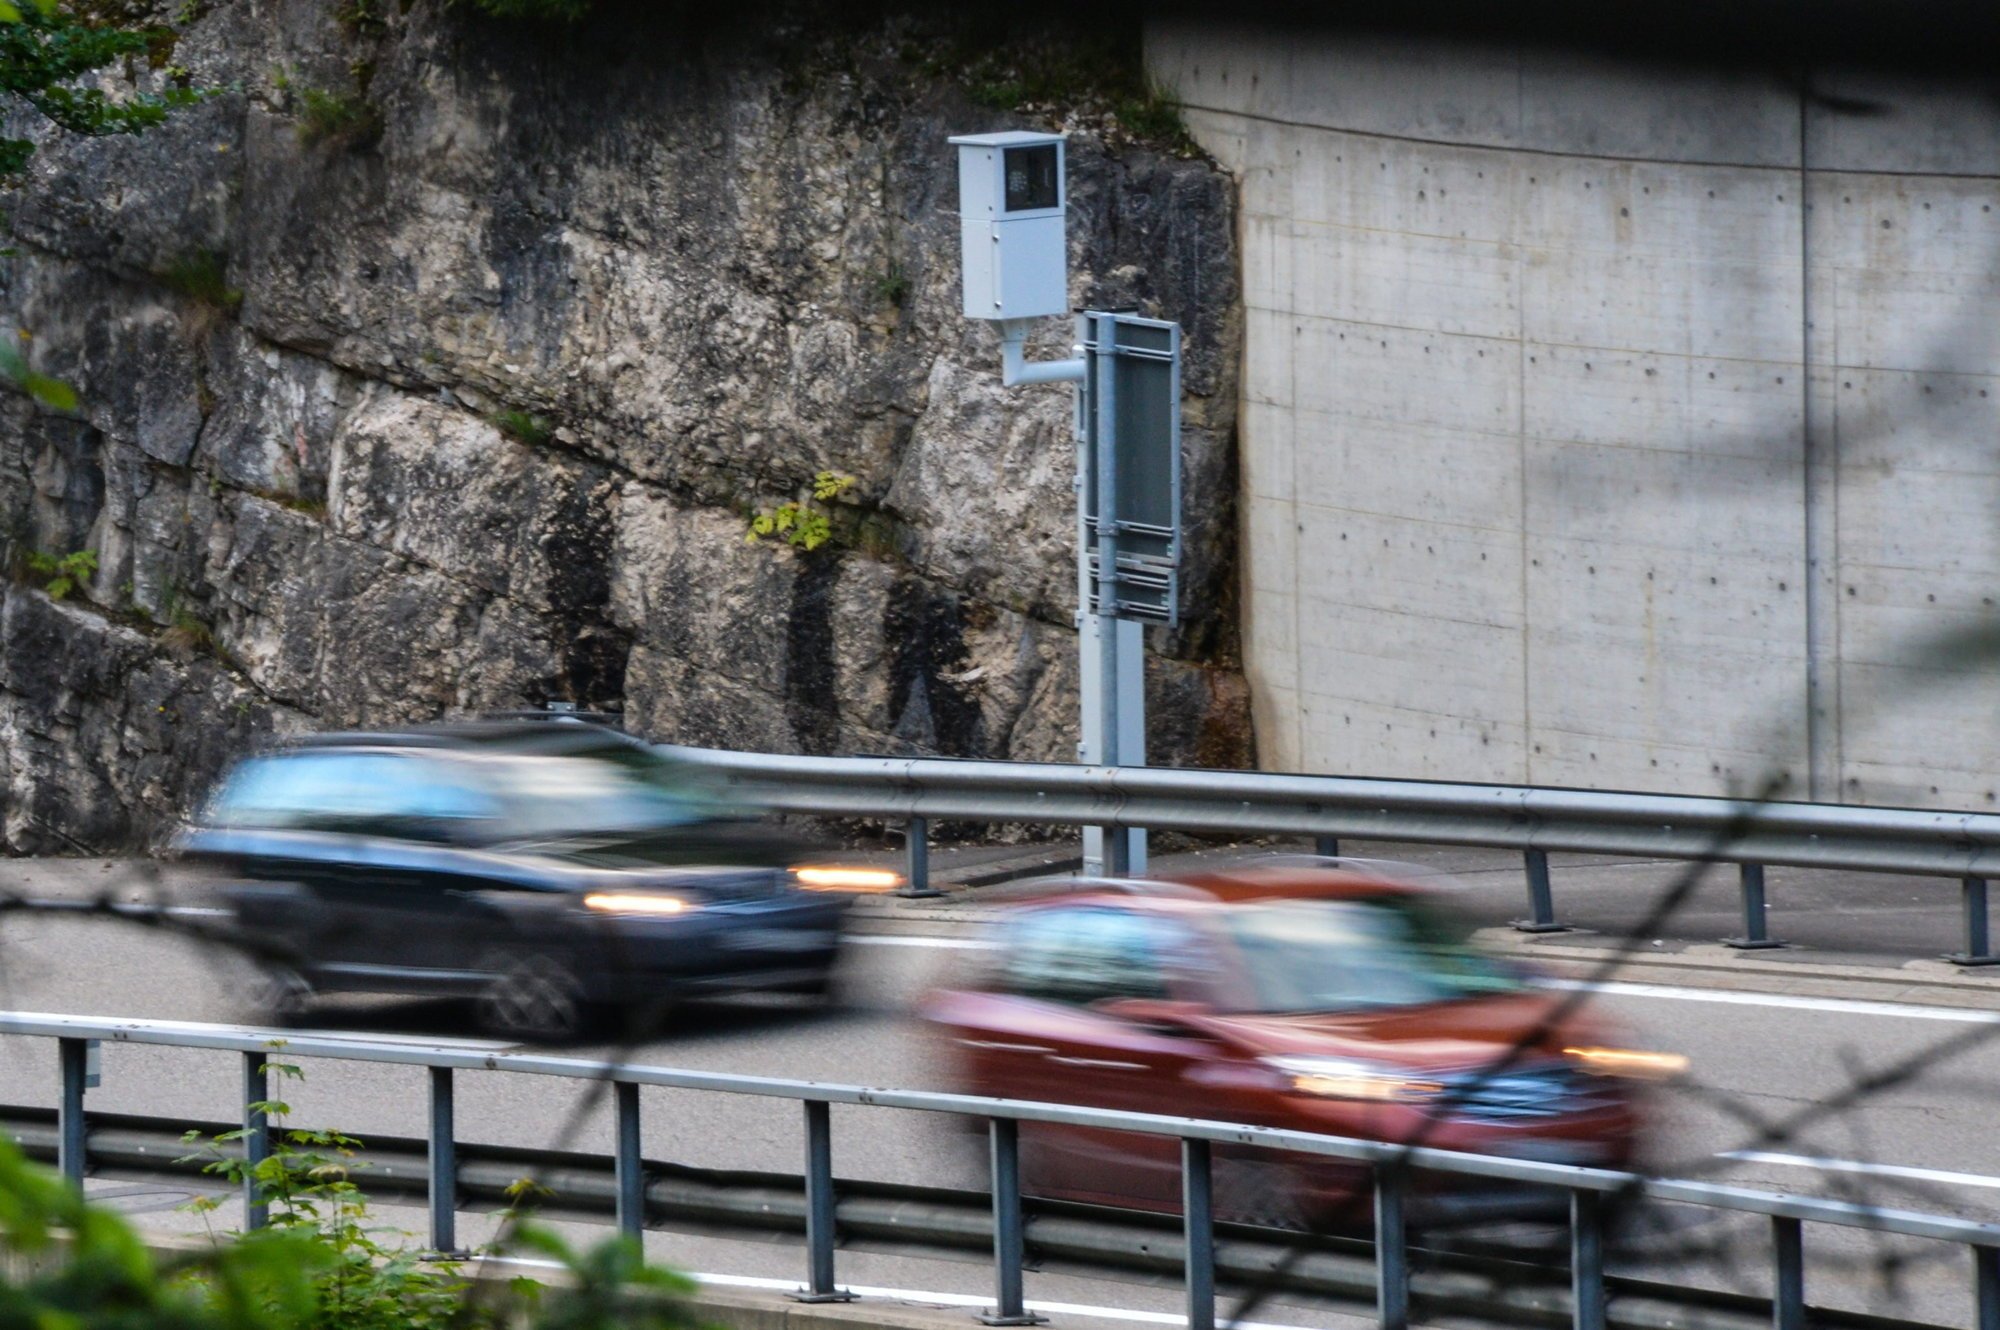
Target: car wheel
(281,996)
(532,997)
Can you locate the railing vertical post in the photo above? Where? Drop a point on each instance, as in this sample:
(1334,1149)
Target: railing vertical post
(1788,1275)
(631,1170)
(1756,936)
(1978,937)
(819,1207)
(1541,901)
(1009,1244)
(917,859)
(1392,1249)
(256,1138)
(443,1164)
(1326,847)
(73,1056)
(1986,1288)
(1198,1212)
(1586,1260)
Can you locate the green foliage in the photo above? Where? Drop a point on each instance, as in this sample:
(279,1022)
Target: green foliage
(359,1280)
(553,11)
(335,1268)
(1094,68)
(523,427)
(363,18)
(1150,113)
(47,45)
(340,119)
(59,574)
(74,1266)
(803,523)
(51,393)
(202,276)
(892,286)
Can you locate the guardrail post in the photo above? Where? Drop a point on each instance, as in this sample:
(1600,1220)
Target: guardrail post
(1326,847)
(1586,1260)
(1788,1270)
(443,1164)
(629,1165)
(1978,939)
(1198,1219)
(1541,901)
(1755,936)
(256,1138)
(73,1056)
(819,1208)
(1986,1288)
(917,859)
(1392,1249)
(1009,1245)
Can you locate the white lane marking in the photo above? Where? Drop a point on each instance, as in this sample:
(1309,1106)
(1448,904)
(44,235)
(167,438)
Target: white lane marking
(1856,1166)
(198,912)
(920,1295)
(1846,1006)
(901,940)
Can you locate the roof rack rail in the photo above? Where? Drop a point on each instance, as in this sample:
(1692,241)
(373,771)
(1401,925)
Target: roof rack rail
(557,711)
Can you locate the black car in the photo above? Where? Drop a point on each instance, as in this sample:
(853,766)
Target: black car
(549,869)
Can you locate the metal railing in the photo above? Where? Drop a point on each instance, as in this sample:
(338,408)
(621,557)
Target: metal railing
(912,792)
(1390,1166)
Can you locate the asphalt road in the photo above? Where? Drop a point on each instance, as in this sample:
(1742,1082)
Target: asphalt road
(1924,1142)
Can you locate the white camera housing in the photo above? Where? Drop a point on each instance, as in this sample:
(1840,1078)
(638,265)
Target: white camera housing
(1012,197)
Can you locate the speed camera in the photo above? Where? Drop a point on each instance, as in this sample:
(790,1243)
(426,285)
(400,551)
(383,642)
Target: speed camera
(1011,201)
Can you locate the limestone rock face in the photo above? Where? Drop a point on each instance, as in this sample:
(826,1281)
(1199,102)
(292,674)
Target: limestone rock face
(466,404)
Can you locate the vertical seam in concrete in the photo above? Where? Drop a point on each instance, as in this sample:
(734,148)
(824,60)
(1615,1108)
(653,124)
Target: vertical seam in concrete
(1298,571)
(1521,445)
(1810,469)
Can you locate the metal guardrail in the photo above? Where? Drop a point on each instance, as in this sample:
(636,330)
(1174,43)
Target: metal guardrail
(1535,821)
(1390,1166)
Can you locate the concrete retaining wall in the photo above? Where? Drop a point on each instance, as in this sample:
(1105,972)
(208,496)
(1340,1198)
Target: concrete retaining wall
(1537,484)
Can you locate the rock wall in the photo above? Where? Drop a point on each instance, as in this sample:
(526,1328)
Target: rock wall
(698,266)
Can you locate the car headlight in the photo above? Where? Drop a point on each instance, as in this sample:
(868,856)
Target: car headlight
(1628,1062)
(1345,1078)
(636,902)
(865,881)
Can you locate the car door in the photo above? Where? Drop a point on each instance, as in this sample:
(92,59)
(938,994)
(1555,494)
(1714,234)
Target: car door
(430,916)
(1042,1032)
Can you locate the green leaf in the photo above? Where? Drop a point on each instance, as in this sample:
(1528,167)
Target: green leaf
(9,14)
(51,393)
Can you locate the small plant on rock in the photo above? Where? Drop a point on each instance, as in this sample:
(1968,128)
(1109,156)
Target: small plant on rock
(60,574)
(524,427)
(339,119)
(202,276)
(803,523)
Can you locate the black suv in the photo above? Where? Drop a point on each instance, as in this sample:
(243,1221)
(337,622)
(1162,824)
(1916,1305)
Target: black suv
(549,869)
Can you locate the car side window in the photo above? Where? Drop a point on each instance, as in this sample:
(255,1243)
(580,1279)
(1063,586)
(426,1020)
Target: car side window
(1085,955)
(351,790)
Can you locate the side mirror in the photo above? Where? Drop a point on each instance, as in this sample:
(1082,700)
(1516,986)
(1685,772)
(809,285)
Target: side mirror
(1159,1015)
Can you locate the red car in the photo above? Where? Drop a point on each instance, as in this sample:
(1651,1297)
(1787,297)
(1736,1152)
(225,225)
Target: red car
(1314,995)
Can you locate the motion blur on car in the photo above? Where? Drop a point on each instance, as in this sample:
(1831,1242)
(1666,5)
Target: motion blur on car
(554,871)
(1337,997)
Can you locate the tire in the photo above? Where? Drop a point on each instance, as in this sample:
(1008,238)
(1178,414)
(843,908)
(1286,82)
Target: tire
(281,996)
(532,998)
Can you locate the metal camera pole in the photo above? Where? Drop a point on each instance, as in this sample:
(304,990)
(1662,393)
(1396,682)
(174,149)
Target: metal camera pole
(1012,202)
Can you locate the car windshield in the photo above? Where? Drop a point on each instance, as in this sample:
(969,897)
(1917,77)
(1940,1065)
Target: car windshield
(1349,955)
(613,792)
